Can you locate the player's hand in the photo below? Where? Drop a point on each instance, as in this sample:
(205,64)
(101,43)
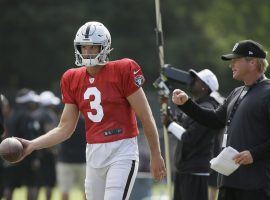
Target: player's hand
(243,158)
(157,167)
(179,97)
(28,147)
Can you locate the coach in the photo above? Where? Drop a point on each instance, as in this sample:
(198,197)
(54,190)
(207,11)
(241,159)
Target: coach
(246,117)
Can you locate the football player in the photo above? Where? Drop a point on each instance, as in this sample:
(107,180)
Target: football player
(109,94)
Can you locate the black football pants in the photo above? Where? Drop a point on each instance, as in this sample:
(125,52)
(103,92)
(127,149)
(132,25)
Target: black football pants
(226,193)
(190,187)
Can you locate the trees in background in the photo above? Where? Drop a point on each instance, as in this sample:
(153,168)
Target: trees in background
(36,37)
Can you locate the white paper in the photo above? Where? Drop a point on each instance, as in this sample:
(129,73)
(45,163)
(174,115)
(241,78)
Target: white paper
(224,163)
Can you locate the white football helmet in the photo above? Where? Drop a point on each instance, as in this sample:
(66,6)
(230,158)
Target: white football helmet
(92,33)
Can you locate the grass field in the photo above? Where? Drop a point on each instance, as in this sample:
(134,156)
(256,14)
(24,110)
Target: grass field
(158,193)
(20,194)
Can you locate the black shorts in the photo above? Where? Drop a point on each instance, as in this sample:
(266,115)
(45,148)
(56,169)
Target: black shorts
(213,179)
(191,187)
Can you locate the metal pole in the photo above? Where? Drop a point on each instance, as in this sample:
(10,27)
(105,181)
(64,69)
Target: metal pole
(160,43)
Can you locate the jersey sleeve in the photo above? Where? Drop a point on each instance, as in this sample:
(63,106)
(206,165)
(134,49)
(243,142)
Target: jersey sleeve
(67,95)
(133,77)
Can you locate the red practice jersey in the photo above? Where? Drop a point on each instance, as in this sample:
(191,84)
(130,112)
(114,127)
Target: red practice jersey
(102,99)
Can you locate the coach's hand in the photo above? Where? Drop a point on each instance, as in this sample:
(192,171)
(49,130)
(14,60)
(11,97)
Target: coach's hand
(157,166)
(179,97)
(243,158)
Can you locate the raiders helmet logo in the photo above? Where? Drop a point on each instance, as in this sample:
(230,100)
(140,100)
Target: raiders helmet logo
(89,31)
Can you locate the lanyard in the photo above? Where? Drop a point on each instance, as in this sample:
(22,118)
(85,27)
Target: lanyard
(241,96)
(237,103)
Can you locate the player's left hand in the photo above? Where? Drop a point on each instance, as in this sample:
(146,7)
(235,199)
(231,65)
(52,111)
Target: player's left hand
(157,166)
(243,158)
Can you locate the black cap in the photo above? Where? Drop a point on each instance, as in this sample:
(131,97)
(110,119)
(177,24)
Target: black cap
(246,48)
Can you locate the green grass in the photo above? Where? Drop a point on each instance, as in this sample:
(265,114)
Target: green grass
(159,191)
(20,194)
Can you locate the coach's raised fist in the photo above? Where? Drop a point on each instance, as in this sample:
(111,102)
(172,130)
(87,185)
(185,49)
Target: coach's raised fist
(179,97)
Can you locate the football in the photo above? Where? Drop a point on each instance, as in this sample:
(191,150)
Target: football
(11,149)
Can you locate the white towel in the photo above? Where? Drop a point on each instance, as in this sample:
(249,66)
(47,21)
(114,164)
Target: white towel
(176,130)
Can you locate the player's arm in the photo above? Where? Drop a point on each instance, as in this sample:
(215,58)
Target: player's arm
(57,135)
(142,109)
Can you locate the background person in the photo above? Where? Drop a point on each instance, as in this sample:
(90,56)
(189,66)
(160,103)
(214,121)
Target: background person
(48,119)
(20,123)
(1,115)
(2,129)
(195,142)
(71,161)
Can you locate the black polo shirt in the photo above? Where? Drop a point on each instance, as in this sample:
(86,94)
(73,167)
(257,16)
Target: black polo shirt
(249,129)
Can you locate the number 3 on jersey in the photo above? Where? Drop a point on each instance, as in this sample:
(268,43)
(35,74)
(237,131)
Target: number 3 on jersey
(95,104)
